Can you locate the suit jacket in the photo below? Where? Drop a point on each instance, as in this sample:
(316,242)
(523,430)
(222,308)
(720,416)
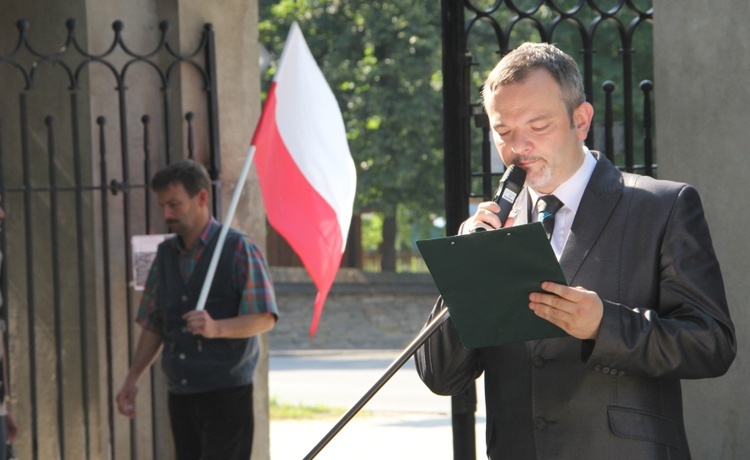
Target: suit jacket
(644,247)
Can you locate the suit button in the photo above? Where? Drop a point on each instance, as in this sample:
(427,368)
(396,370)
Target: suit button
(183,381)
(538,362)
(540,423)
(605,370)
(598,368)
(184,298)
(182,355)
(620,374)
(613,372)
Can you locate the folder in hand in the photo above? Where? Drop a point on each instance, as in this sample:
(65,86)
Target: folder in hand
(485,279)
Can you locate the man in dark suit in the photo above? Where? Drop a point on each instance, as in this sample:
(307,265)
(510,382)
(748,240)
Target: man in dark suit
(645,308)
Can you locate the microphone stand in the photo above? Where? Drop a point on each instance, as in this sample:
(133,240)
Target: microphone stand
(421,338)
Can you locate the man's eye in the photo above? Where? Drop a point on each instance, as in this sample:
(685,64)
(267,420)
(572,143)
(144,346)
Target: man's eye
(539,129)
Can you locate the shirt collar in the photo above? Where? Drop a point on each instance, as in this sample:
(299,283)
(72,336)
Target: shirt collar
(208,232)
(571,191)
(211,228)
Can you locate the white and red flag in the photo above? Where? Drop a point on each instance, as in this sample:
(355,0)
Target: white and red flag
(306,172)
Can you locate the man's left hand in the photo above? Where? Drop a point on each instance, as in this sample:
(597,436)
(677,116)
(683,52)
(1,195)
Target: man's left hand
(199,322)
(575,310)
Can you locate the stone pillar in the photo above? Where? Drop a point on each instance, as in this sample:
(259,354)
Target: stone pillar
(701,63)
(235,23)
(24,111)
(235,26)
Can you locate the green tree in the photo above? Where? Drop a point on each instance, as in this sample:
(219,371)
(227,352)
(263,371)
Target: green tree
(382,60)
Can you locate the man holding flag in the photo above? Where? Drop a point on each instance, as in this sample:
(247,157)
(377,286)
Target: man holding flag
(308,182)
(209,354)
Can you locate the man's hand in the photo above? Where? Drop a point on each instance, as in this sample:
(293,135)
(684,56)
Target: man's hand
(486,217)
(200,322)
(126,398)
(11,427)
(575,310)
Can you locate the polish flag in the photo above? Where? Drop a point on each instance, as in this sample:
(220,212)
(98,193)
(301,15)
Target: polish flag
(306,172)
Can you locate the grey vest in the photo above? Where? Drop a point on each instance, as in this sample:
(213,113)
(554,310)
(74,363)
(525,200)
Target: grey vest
(192,363)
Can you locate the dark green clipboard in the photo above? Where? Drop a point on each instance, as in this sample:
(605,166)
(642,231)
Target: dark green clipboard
(485,279)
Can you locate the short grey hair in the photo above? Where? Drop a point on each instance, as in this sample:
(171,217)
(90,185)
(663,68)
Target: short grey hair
(515,66)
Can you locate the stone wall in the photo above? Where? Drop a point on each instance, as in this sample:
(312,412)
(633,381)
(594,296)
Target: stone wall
(363,310)
(701,60)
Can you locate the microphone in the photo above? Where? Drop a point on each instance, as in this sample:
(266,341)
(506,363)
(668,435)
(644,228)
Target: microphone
(510,185)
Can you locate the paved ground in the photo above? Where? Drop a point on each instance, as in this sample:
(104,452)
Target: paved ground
(404,420)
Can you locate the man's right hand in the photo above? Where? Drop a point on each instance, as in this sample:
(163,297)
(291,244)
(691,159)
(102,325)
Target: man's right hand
(485,217)
(126,398)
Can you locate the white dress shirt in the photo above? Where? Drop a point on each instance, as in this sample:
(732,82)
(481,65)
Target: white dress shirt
(570,193)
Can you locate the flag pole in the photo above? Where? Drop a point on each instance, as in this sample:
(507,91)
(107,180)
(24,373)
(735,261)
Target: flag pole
(397,364)
(225,229)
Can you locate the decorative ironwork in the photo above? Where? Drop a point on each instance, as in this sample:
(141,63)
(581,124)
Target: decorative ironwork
(63,203)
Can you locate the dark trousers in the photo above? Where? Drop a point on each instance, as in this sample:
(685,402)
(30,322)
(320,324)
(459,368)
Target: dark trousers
(217,425)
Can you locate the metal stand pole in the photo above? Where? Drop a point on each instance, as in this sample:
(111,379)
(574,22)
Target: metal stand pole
(428,330)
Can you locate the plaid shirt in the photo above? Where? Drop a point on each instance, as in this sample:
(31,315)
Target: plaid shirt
(249,269)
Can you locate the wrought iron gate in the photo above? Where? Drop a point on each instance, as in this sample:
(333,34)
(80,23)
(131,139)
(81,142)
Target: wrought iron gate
(603,36)
(80,133)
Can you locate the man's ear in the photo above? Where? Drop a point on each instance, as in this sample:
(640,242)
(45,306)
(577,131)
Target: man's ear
(203,197)
(582,117)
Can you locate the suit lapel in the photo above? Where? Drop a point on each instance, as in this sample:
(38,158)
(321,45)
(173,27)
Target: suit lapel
(597,204)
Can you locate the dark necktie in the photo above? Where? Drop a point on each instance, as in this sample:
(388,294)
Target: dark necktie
(547,206)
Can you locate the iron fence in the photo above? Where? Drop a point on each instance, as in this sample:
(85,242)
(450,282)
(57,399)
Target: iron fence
(80,133)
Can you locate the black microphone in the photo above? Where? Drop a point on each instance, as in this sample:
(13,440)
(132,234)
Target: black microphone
(510,185)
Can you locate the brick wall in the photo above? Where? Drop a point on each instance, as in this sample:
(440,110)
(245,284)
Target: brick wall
(363,311)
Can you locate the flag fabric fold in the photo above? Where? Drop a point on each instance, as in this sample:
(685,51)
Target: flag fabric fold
(305,169)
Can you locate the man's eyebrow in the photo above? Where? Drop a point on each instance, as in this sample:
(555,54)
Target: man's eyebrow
(542,117)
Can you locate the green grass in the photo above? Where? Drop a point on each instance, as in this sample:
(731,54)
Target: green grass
(285,411)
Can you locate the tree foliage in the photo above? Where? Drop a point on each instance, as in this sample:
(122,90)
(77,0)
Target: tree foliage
(382,60)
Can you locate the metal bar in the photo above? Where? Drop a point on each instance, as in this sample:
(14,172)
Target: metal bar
(167,127)
(30,298)
(71,188)
(455,109)
(646,87)
(147,171)
(147,205)
(213,120)
(627,64)
(397,364)
(80,256)
(101,121)
(3,278)
(124,157)
(56,307)
(609,141)
(190,135)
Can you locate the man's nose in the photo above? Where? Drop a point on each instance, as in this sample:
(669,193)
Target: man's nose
(520,144)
